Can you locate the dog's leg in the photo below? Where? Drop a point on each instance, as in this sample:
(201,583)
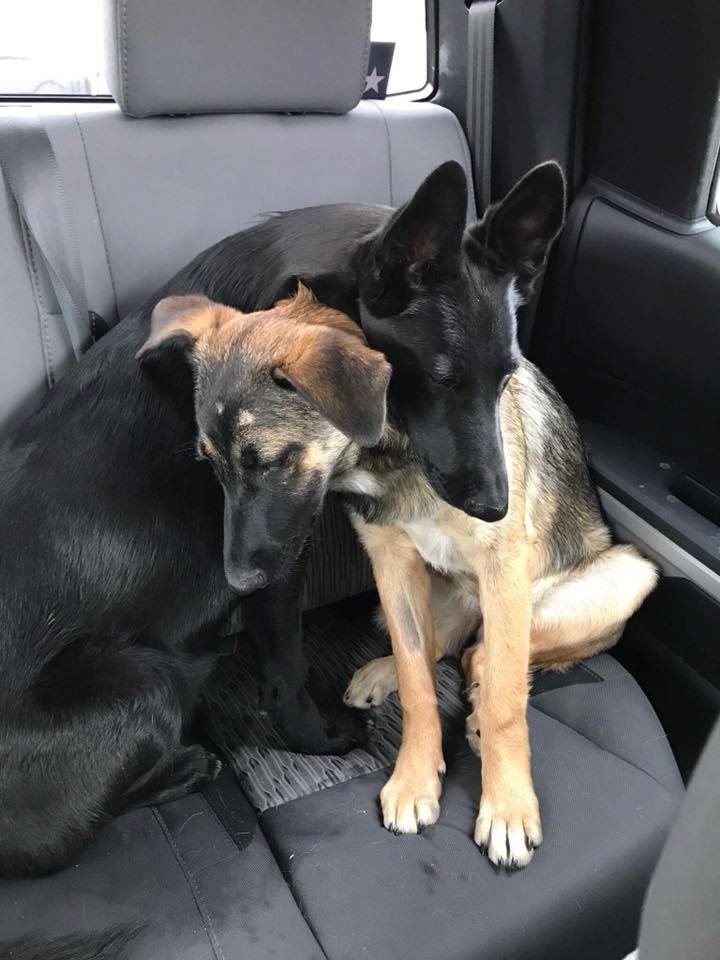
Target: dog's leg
(274,619)
(411,797)
(508,824)
(584,612)
(454,620)
(188,769)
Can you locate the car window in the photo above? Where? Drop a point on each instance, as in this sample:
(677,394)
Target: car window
(55,47)
(403,22)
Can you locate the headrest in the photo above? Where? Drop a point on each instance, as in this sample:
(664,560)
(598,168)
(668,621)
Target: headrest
(236,56)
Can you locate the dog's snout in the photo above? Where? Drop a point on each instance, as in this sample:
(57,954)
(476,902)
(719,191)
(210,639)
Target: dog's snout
(489,512)
(246,581)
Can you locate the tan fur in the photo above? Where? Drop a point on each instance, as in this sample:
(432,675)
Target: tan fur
(496,580)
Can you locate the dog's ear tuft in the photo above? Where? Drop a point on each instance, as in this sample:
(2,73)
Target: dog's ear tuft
(345,381)
(516,234)
(421,243)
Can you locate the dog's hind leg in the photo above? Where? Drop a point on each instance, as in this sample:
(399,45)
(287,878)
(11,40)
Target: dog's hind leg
(187,770)
(99,718)
(585,612)
(578,614)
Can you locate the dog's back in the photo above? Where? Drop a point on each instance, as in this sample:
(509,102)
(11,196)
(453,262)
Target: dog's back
(562,504)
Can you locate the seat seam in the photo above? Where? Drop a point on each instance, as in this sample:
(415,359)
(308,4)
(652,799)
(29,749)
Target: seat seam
(287,876)
(380,110)
(612,753)
(275,861)
(225,830)
(40,306)
(97,210)
(123,55)
(465,150)
(192,886)
(366,48)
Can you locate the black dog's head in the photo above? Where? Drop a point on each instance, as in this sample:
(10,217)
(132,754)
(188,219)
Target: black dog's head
(279,396)
(439,300)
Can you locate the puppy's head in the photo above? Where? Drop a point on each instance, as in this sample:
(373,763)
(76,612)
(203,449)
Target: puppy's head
(439,300)
(280,395)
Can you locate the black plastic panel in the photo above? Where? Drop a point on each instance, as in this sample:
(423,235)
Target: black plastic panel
(655,111)
(633,343)
(646,480)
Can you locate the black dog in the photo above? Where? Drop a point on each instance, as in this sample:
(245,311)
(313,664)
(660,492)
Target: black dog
(115,569)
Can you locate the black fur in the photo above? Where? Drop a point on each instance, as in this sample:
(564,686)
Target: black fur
(112,590)
(109,945)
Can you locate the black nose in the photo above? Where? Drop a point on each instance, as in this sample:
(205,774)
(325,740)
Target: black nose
(489,512)
(246,581)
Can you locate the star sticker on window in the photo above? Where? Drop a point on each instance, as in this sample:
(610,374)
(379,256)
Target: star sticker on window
(373,80)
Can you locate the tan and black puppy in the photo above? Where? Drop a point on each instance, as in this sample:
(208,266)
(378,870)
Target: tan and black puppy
(281,398)
(541,586)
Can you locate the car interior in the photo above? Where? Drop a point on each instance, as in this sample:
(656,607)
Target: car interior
(218,114)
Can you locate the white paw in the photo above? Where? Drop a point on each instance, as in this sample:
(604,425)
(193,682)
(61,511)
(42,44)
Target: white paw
(510,831)
(411,802)
(371,684)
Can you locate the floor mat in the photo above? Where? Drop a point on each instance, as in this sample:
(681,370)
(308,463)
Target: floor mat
(338,640)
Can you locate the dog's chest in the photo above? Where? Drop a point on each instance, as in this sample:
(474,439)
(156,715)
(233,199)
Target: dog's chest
(448,544)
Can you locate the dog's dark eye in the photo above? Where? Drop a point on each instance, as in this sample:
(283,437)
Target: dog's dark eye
(280,380)
(448,381)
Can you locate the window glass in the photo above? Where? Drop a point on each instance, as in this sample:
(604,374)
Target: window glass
(55,47)
(402,22)
(52,47)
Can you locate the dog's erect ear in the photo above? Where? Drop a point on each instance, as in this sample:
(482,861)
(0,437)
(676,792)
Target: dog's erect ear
(515,234)
(423,238)
(345,381)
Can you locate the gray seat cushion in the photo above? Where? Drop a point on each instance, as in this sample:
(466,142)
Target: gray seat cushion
(606,778)
(198,871)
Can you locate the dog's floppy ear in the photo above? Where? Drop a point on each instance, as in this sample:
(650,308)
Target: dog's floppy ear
(515,234)
(345,381)
(422,240)
(176,323)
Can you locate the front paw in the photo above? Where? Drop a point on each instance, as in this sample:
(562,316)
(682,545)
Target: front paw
(330,732)
(508,826)
(372,684)
(410,800)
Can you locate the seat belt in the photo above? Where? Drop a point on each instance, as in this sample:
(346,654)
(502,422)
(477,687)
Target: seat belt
(33,176)
(481,63)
